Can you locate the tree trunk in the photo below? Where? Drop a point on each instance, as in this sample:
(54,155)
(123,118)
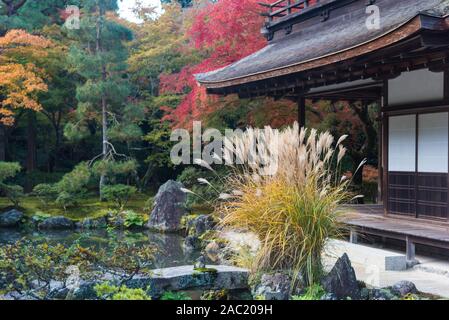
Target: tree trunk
(2,143)
(105,142)
(31,162)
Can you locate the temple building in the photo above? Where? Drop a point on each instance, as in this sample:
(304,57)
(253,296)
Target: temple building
(394,52)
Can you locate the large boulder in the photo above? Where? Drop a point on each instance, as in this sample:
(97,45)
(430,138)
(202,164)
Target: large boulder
(342,281)
(169,208)
(274,287)
(403,288)
(11,218)
(56,223)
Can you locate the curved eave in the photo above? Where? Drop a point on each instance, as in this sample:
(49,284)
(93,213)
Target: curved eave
(409,28)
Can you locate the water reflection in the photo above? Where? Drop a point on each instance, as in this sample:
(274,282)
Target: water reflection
(170,251)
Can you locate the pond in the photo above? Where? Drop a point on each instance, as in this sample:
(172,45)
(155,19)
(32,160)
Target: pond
(170,251)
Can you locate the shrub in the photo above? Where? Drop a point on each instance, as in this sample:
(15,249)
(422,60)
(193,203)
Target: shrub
(45,192)
(292,210)
(30,267)
(314,292)
(118,193)
(12,192)
(169,295)
(108,291)
(69,190)
(133,219)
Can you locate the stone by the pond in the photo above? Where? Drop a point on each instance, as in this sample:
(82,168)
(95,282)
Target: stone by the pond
(200,263)
(212,250)
(169,208)
(403,288)
(274,287)
(200,225)
(329,297)
(191,243)
(342,281)
(185,278)
(11,218)
(92,223)
(56,223)
(382,294)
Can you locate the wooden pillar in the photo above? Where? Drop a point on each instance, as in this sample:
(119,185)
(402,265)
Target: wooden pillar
(410,253)
(301,111)
(384,147)
(380,155)
(353,236)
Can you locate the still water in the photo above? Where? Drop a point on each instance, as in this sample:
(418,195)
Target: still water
(170,251)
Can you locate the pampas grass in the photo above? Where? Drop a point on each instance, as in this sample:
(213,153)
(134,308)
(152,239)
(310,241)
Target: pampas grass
(294,209)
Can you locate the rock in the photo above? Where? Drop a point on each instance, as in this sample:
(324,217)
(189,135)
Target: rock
(186,278)
(274,287)
(215,295)
(402,288)
(200,263)
(56,223)
(342,280)
(200,225)
(191,243)
(92,223)
(168,208)
(11,218)
(212,250)
(365,294)
(382,294)
(329,297)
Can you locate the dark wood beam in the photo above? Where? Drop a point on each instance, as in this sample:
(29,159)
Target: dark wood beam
(301,111)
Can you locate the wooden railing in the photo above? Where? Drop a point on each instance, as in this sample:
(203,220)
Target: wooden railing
(282,8)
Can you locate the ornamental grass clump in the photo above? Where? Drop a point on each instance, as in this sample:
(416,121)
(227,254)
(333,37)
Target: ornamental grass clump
(288,195)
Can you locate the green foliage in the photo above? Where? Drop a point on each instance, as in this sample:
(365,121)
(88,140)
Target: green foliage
(118,193)
(40,216)
(12,192)
(170,295)
(205,195)
(33,15)
(107,291)
(133,219)
(314,292)
(45,192)
(115,169)
(69,190)
(26,263)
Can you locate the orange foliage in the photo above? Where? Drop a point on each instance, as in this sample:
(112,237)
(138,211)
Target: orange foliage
(20,83)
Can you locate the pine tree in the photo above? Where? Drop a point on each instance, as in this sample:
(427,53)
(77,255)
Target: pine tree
(31,15)
(99,57)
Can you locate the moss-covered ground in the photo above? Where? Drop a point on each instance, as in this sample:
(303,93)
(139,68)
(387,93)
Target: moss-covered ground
(89,207)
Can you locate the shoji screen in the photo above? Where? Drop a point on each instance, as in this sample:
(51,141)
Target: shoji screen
(402,143)
(433,142)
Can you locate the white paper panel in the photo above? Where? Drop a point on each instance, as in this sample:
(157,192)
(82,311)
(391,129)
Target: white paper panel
(416,86)
(402,142)
(433,142)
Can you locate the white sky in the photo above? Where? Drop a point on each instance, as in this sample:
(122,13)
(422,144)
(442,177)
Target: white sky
(127,5)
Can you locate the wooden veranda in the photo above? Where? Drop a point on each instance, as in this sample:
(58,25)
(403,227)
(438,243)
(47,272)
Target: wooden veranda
(371,220)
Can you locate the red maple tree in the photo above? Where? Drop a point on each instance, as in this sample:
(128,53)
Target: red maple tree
(224,32)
